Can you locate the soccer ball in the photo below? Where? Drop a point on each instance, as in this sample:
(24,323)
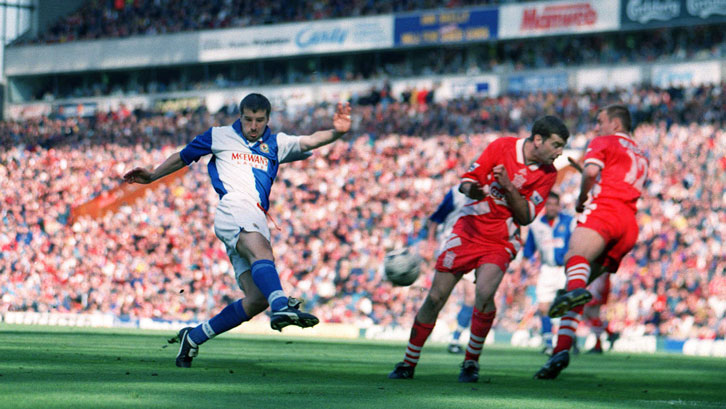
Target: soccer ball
(402,266)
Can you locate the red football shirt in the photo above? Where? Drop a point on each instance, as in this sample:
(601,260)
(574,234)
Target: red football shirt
(624,168)
(490,221)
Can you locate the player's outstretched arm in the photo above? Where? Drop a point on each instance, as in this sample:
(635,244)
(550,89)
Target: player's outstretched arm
(144,176)
(341,125)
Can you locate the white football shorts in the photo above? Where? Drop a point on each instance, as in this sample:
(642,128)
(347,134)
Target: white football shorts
(551,279)
(231,218)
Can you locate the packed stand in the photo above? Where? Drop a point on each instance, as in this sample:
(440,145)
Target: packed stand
(664,45)
(342,209)
(123,18)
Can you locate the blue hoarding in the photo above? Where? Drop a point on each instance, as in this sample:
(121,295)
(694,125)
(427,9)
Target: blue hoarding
(449,26)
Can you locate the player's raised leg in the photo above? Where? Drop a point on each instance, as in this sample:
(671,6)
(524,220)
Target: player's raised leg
(585,246)
(257,250)
(424,323)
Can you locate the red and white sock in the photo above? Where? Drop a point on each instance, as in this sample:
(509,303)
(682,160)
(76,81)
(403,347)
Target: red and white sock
(577,270)
(568,328)
(419,334)
(481,323)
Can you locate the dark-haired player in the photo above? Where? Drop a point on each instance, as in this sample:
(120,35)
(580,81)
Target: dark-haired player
(506,187)
(245,159)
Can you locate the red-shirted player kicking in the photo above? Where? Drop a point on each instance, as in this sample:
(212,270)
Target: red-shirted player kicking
(507,187)
(614,174)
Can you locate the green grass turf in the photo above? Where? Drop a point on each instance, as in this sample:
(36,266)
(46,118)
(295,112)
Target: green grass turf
(45,367)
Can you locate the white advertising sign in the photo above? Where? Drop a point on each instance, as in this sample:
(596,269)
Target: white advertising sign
(610,78)
(289,97)
(548,18)
(461,87)
(25,111)
(297,39)
(686,74)
(446,88)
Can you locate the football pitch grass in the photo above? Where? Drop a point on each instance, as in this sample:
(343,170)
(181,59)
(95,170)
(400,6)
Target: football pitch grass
(50,367)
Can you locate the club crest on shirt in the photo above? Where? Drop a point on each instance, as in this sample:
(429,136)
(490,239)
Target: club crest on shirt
(264,148)
(518,181)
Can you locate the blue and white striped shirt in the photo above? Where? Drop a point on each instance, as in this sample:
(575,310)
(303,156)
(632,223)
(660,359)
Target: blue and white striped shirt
(447,213)
(240,167)
(551,241)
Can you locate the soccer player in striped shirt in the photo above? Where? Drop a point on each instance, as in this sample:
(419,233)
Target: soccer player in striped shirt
(245,159)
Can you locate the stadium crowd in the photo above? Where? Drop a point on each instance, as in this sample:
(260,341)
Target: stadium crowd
(666,45)
(342,209)
(122,18)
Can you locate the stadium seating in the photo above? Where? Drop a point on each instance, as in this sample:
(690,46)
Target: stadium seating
(665,45)
(122,18)
(158,257)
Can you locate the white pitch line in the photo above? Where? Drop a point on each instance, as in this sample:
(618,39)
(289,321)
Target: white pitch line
(680,402)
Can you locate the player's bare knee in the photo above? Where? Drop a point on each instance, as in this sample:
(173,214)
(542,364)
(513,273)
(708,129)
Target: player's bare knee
(436,299)
(485,293)
(482,302)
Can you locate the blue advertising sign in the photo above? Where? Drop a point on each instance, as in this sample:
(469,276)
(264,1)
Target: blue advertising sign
(80,109)
(449,26)
(519,84)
